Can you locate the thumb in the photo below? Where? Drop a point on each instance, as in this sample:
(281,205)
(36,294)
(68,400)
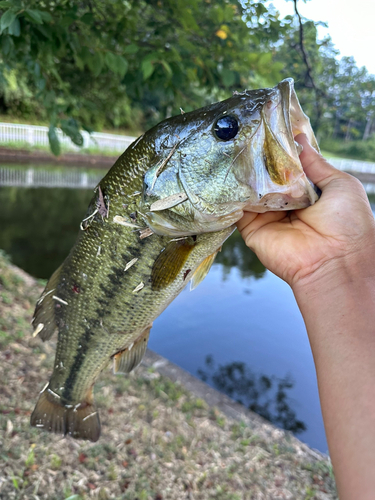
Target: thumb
(315,166)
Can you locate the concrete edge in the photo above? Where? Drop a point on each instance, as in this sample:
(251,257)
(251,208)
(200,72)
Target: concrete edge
(225,404)
(23,156)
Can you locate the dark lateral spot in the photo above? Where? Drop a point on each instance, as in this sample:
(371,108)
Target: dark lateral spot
(103,302)
(114,279)
(133,215)
(76,289)
(186,273)
(286,203)
(131,252)
(102,312)
(107,291)
(118,273)
(94,323)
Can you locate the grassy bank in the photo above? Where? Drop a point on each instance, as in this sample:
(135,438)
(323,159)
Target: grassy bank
(353,150)
(158,442)
(25,146)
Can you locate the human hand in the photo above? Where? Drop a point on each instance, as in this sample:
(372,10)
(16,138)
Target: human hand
(336,235)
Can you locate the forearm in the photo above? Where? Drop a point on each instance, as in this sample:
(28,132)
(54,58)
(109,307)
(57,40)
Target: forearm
(339,312)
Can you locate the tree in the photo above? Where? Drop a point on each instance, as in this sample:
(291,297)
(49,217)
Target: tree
(94,63)
(338,96)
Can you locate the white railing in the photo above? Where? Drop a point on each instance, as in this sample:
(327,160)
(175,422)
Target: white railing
(37,177)
(365,167)
(36,135)
(33,177)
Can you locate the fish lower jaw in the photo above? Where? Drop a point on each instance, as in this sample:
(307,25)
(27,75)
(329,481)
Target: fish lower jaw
(278,202)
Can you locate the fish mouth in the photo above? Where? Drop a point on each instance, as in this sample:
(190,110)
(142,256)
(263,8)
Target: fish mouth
(276,176)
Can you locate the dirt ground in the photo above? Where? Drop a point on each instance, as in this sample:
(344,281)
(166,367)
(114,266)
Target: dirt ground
(158,441)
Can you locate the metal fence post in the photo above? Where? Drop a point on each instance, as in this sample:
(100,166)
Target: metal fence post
(30,177)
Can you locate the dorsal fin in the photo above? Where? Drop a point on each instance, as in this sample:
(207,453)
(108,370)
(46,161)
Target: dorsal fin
(44,316)
(170,262)
(128,359)
(202,270)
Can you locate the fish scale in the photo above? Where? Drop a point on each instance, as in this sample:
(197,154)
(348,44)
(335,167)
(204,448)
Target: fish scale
(187,186)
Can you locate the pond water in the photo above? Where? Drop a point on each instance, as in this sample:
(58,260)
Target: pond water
(240,330)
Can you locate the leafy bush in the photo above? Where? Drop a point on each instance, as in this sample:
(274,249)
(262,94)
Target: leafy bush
(360,150)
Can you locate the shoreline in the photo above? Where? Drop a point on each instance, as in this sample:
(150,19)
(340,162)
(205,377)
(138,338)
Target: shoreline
(24,156)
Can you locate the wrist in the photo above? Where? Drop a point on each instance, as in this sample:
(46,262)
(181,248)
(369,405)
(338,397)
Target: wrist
(354,273)
(340,294)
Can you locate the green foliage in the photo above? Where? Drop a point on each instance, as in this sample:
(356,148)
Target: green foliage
(54,140)
(131,63)
(360,150)
(343,104)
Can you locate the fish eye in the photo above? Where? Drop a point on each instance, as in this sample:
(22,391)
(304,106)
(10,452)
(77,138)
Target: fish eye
(226,128)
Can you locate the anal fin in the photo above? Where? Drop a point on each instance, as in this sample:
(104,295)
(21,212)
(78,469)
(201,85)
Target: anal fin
(128,359)
(44,316)
(202,270)
(80,421)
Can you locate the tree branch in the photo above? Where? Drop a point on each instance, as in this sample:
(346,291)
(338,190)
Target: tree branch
(309,72)
(302,47)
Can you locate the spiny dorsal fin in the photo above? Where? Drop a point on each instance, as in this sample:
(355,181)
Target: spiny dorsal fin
(44,316)
(170,262)
(202,270)
(128,359)
(80,421)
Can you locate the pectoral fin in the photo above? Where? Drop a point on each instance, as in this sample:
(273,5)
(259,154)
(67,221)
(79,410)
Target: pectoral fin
(44,316)
(170,262)
(202,270)
(128,359)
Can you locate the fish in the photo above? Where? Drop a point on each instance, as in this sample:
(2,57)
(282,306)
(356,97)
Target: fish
(156,222)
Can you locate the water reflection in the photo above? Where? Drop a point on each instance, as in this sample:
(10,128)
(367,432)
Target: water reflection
(235,254)
(39,226)
(266,396)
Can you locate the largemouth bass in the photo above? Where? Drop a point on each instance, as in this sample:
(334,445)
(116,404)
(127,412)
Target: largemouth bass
(156,222)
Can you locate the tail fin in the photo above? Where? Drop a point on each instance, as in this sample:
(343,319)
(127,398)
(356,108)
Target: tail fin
(80,421)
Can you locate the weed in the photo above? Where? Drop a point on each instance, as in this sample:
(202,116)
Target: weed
(104,450)
(309,493)
(6,298)
(221,422)
(112,473)
(55,462)
(30,459)
(239,430)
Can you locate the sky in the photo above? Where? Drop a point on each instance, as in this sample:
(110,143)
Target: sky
(351,25)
